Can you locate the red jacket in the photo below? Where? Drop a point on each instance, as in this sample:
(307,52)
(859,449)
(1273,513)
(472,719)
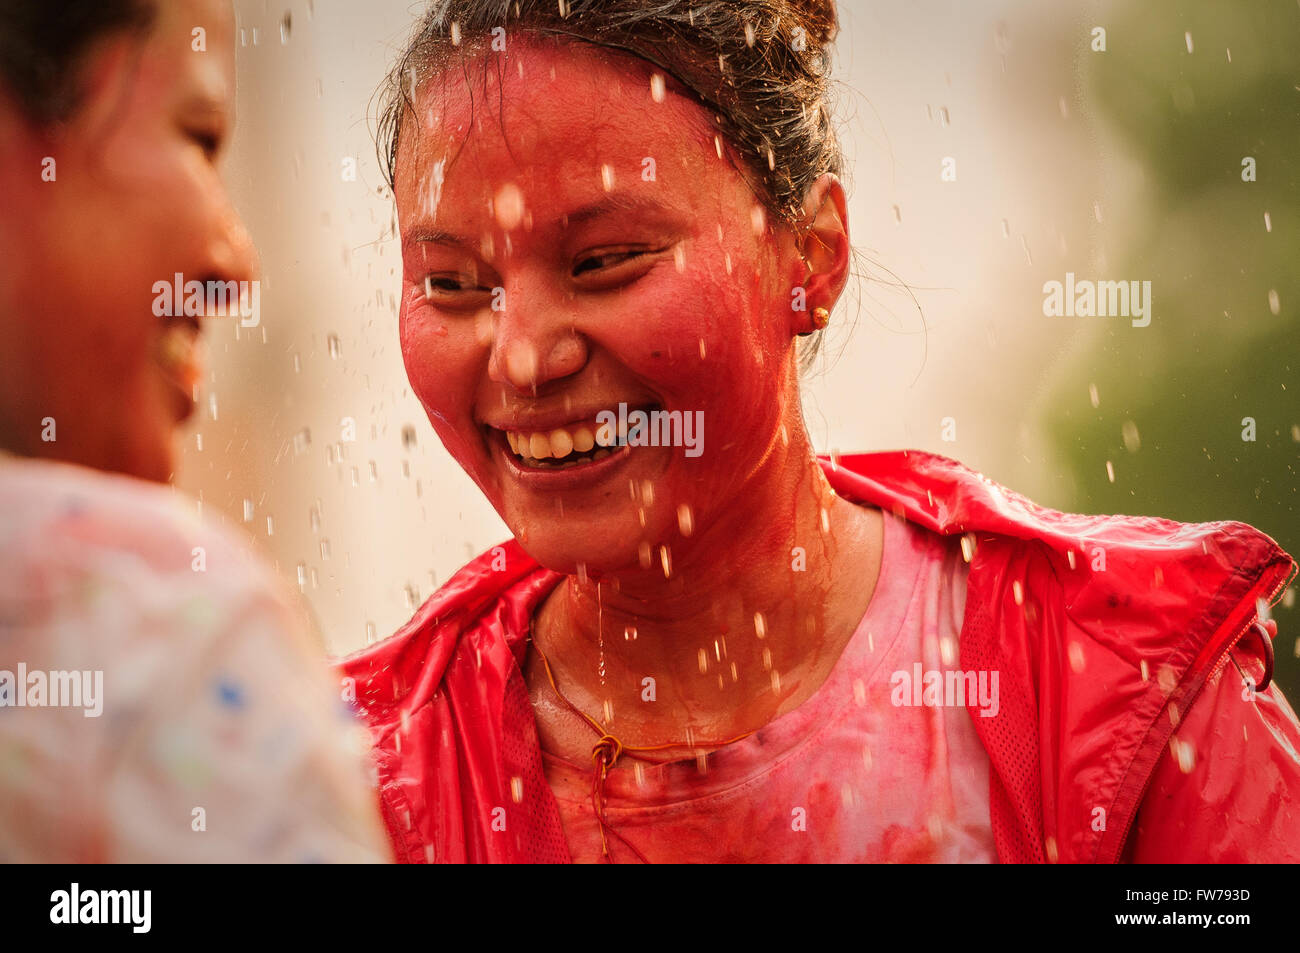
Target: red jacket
(1126,648)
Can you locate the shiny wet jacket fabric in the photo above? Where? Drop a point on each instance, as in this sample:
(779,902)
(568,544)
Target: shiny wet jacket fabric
(1128,652)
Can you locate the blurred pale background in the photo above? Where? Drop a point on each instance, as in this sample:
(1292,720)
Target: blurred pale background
(1045,183)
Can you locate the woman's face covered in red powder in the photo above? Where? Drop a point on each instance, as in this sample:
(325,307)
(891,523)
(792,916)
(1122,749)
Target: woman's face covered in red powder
(575,238)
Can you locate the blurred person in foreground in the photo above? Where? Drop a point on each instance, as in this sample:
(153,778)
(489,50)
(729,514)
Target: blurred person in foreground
(715,645)
(161,700)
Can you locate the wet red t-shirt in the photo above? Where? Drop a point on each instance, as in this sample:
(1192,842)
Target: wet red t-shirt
(881,764)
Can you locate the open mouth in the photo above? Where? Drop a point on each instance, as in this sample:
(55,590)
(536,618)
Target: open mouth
(179,353)
(566,447)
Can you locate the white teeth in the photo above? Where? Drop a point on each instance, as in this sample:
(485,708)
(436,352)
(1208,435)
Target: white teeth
(561,444)
(550,448)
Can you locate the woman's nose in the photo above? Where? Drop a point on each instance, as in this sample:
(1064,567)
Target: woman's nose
(530,351)
(232,252)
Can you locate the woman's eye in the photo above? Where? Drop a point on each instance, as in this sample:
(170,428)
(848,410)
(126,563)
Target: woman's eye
(452,290)
(603,260)
(618,267)
(209,142)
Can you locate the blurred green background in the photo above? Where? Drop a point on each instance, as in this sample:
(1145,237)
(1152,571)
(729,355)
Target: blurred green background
(1189,88)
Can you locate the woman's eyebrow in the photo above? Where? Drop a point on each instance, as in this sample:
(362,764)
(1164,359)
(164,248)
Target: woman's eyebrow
(610,204)
(435,237)
(614,202)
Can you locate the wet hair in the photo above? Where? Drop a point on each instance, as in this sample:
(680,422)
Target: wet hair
(761,69)
(43,43)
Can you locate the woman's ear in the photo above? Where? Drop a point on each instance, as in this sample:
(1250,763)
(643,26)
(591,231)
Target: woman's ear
(824,242)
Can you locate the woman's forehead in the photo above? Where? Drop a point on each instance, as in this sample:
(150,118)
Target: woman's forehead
(551,112)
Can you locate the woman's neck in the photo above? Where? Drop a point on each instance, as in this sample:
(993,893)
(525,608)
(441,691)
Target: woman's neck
(748,625)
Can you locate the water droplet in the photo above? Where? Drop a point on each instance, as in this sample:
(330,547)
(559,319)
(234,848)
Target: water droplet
(370,633)
(286,25)
(685,519)
(297,364)
(1132,441)
(1075,654)
(248,510)
(302,575)
(968,547)
(332,342)
(1092,395)
(212,405)
(324,549)
(607,177)
(508,206)
(1188,37)
(408,436)
(1274,302)
(270,527)
(1110,471)
(301,440)
(657,87)
(1268,222)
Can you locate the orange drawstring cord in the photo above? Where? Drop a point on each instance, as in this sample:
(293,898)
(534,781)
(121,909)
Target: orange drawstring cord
(604,755)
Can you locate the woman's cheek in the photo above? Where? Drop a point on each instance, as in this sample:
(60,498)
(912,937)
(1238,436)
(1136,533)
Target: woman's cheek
(439,359)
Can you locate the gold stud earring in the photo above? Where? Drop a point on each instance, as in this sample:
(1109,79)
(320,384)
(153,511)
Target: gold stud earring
(820,318)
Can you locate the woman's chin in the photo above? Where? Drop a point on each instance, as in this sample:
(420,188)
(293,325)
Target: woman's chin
(575,552)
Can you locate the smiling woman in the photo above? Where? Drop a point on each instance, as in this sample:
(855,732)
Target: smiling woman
(621,207)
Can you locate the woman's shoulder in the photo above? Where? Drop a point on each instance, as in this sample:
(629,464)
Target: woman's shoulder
(58,520)
(487,602)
